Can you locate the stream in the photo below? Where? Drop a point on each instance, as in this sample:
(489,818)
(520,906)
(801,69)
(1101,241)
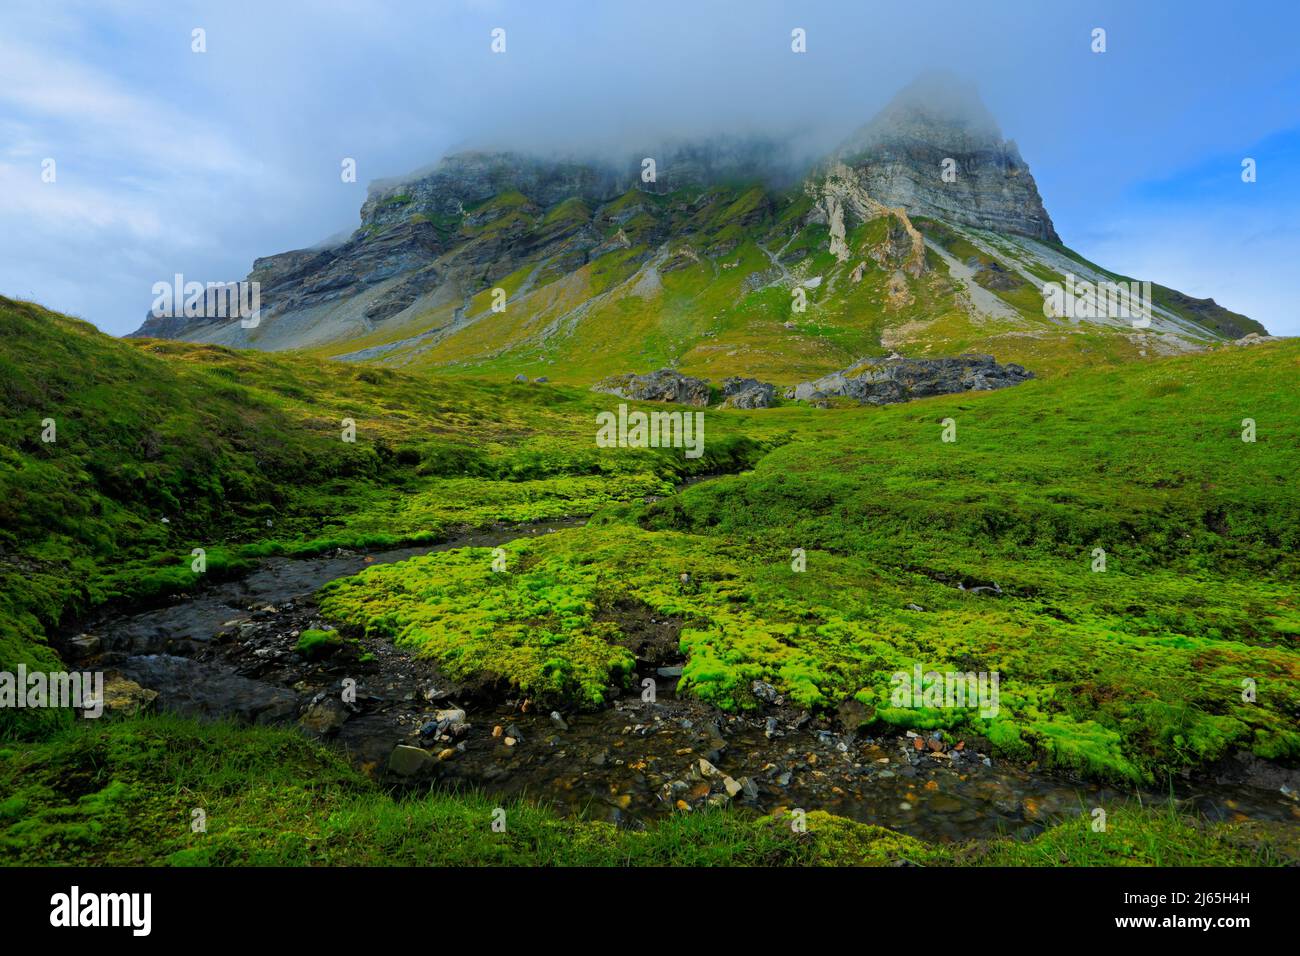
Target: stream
(227,652)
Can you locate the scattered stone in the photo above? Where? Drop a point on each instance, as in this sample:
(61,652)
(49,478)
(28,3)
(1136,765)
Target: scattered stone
(707,769)
(407,761)
(558,721)
(324,717)
(447,753)
(670,672)
(521,377)
(764,691)
(732,786)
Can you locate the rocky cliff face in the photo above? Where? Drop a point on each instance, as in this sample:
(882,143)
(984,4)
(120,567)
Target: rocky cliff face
(939,124)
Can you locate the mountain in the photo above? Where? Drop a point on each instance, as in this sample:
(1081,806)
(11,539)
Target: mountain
(923,233)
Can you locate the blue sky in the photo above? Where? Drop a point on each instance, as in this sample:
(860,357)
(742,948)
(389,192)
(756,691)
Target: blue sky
(173,161)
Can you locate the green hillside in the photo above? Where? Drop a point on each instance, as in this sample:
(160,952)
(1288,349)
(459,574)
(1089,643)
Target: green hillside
(1127,675)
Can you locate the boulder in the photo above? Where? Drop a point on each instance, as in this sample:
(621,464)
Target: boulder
(665,385)
(747,393)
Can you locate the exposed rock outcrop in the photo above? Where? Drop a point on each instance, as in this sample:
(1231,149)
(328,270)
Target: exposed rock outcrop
(885,381)
(665,385)
(936,123)
(747,393)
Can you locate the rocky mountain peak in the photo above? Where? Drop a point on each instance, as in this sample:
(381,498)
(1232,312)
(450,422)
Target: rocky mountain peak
(938,124)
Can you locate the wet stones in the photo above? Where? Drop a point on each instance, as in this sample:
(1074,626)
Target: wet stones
(407,761)
(324,717)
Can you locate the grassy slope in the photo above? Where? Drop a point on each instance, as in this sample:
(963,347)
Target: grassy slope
(125,793)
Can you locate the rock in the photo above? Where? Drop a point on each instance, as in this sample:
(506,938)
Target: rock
(772,729)
(747,393)
(450,717)
(84,645)
(521,377)
(707,769)
(670,672)
(558,721)
(934,120)
(764,691)
(447,753)
(510,741)
(541,380)
(665,385)
(749,788)
(732,786)
(515,732)
(407,761)
(324,717)
(852,714)
(126,698)
(879,381)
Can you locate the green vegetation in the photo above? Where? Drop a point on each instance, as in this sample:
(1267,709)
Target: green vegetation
(125,793)
(164,447)
(316,644)
(1128,674)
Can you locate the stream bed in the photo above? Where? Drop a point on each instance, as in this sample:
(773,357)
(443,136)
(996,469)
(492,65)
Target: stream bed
(228,652)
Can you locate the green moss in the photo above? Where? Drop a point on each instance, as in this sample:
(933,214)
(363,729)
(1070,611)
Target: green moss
(315,644)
